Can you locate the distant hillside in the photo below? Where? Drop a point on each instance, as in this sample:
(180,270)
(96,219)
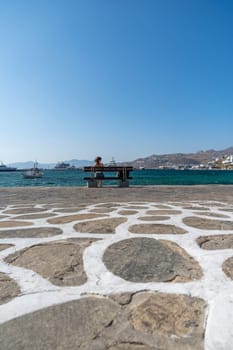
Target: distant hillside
(201,157)
(153,161)
(29,164)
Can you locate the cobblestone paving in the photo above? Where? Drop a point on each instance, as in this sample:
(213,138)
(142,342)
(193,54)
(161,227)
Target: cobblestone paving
(118,276)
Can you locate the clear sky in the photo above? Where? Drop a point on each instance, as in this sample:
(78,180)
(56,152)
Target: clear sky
(122,78)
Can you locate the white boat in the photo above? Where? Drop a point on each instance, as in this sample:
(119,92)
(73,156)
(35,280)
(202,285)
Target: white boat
(33,173)
(3,167)
(112,162)
(63,166)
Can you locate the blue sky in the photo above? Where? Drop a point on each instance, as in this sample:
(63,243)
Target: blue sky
(122,78)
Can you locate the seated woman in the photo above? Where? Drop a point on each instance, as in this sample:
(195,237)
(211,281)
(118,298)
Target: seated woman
(98,174)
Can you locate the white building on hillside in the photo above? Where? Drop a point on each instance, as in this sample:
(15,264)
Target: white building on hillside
(228,159)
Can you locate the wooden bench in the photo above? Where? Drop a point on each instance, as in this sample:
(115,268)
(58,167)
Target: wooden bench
(122,175)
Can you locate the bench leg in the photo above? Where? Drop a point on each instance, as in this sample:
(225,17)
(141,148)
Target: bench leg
(92,183)
(123,183)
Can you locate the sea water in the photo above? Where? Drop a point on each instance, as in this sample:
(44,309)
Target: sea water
(140,178)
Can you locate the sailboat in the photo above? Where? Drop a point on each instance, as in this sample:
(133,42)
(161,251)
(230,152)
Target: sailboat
(33,173)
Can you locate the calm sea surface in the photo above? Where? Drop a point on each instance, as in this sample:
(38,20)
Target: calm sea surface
(140,178)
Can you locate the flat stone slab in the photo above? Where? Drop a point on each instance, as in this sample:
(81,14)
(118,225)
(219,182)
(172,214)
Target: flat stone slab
(171,317)
(128,212)
(107,205)
(164,212)
(150,260)
(102,210)
(227,209)
(24,210)
(71,218)
(69,326)
(191,207)
(131,346)
(149,321)
(34,216)
(36,232)
(99,226)
(60,262)
(163,206)
(69,210)
(5,246)
(3,217)
(9,289)
(14,223)
(27,206)
(154,218)
(216,242)
(208,224)
(156,229)
(216,215)
(136,207)
(228,267)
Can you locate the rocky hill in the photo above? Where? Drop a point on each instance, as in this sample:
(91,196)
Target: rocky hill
(175,159)
(153,161)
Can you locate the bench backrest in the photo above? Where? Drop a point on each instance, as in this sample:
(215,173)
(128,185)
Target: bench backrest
(108,168)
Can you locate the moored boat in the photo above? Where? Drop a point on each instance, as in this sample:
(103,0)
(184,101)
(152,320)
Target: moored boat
(33,173)
(64,166)
(3,167)
(112,162)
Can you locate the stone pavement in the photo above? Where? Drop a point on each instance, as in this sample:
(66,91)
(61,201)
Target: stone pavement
(133,275)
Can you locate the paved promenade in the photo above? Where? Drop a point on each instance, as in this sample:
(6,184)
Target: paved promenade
(140,268)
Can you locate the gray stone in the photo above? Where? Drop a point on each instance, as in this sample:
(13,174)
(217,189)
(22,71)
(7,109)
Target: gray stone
(169,316)
(14,223)
(3,216)
(36,232)
(227,209)
(216,242)
(228,267)
(193,207)
(132,346)
(69,210)
(70,218)
(150,260)
(163,206)
(128,212)
(61,262)
(153,218)
(34,216)
(107,205)
(207,213)
(156,229)
(137,203)
(8,289)
(24,210)
(68,326)
(102,210)
(208,224)
(99,226)
(149,321)
(5,246)
(136,207)
(164,212)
